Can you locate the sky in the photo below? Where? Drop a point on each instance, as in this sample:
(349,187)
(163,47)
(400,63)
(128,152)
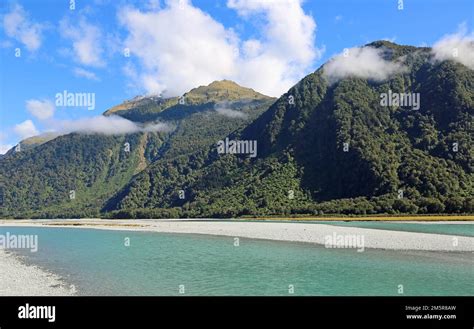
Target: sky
(111,51)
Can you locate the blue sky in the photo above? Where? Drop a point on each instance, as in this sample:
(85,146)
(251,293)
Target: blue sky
(176,46)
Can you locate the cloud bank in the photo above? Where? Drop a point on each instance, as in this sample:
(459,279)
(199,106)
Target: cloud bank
(111,125)
(365,62)
(458,47)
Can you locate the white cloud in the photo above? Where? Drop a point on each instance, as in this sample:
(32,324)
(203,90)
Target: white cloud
(111,125)
(180,47)
(458,47)
(252,48)
(41,109)
(86,41)
(26,129)
(80,72)
(365,62)
(287,49)
(223,110)
(17,25)
(153,4)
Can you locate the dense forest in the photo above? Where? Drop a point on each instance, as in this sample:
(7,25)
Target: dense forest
(332,149)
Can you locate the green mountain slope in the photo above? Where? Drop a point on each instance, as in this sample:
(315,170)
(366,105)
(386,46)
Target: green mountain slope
(335,149)
(37,182)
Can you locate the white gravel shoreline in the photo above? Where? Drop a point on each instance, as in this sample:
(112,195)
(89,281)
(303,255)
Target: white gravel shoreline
(19,279)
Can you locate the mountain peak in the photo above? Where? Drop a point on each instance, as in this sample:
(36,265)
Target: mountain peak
(223,84)
(382,43)
(216,91)
(392,45)
(223,90)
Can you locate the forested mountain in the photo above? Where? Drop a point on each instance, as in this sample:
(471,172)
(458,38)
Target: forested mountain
(75,174)
(323,147)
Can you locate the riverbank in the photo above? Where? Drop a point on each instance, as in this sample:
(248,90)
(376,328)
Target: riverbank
(20,279)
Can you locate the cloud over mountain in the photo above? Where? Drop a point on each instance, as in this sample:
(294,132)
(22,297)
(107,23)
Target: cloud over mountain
(111,125)
(365,62)
(223,110)
(458,47)
(26,129)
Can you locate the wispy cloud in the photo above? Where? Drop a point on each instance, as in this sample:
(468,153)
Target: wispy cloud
(19,26)
(86,41)
(458,47)
(224,110)
(111,125)
(80,72)
(365,62)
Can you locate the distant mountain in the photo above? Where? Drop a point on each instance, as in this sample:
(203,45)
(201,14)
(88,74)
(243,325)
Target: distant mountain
(324,147)
(31,142)
(38,182)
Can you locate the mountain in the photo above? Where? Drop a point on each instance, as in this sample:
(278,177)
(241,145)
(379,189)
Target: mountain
(37,182)
(324,147)
(145,109)
(336,149)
